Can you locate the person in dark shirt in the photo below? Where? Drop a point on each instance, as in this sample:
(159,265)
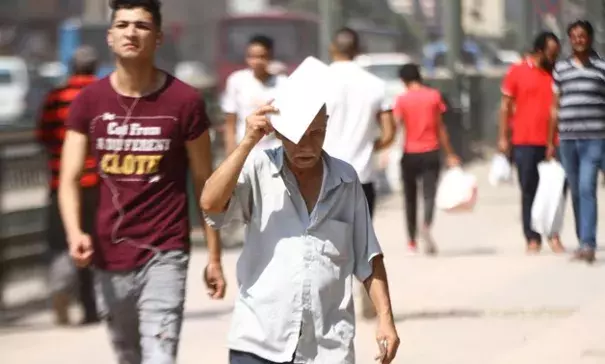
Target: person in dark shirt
(148,130)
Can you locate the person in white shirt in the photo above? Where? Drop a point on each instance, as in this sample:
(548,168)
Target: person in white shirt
(248,89)
(361,122)
(308,233)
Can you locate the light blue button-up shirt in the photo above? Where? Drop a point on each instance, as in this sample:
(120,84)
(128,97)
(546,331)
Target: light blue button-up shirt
(295,271)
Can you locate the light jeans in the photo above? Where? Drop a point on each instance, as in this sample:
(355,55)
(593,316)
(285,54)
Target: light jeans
(144,308)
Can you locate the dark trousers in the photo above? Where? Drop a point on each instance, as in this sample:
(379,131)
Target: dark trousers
(527,158)
(238,357)
(370,192)
(423,167)
(57,242)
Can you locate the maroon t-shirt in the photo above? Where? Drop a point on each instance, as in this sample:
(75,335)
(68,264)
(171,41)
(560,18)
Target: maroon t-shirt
(139,145)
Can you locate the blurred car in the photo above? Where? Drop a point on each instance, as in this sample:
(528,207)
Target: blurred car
(14,85)
(386,67)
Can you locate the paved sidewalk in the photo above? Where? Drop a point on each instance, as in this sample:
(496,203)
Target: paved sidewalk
(482,300)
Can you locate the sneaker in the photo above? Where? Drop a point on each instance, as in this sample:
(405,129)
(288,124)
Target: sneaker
(585,254)
(430,248)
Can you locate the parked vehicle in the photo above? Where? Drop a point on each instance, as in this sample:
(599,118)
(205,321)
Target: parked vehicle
(14,85)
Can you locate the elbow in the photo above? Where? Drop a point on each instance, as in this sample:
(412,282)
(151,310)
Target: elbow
(209,204)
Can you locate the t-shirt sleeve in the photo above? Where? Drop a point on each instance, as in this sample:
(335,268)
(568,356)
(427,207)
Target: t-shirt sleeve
(228,100)
(197,120)
(398,109)
(385,102)
(556,81)
(78,117)
(239,207)
(509,83)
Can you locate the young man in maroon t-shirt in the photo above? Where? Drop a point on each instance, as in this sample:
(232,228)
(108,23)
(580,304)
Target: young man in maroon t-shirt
(146,130)
(527,97)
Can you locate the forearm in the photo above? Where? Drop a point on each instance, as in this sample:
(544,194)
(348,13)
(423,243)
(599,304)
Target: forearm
(213,240)
(229,134)
(444,140)
(220,186)
(378,289)
(69,204)
(504,117)
(387,131)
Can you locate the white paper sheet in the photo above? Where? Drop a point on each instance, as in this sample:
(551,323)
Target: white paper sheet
(301,98)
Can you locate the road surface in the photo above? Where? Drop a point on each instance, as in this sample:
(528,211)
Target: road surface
(482,300)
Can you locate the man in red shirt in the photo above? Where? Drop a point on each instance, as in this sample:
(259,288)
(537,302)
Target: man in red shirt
(527,96)
(147,131)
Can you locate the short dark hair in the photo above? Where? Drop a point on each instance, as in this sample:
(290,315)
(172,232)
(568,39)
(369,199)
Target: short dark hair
(542,39)
(152,6)
(410,72)
(584,24)
(346,42)
(263,41)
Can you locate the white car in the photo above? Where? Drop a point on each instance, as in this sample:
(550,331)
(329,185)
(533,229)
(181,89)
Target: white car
(14,85)
(386,66)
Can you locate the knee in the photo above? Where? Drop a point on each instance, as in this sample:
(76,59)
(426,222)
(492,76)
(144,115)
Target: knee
(587,189)
(161,335)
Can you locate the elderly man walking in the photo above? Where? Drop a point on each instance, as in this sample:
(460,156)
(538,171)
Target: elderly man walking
(308,232)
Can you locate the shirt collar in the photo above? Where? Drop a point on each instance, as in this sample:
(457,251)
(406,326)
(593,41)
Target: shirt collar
(591,59)
(336,175)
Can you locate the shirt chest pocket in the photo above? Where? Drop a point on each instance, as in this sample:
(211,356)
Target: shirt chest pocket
(335,240)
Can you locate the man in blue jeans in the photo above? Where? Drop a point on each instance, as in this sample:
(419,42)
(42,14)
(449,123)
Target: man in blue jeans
(525,114)
(579,112)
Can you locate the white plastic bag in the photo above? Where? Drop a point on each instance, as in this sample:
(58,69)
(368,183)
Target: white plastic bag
(549,204)
(457,191)
(500,171)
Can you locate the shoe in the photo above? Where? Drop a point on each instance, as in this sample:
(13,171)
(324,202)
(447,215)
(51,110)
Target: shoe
(585,255)
(556,246)
(533,247)
(413,247)
(90,320)
(61,308)
(430,248)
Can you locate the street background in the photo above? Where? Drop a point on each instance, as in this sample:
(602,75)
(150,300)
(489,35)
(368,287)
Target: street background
(481,300)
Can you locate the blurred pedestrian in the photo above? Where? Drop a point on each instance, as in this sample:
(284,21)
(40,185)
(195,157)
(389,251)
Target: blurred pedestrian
(420,110)
(149,131)
(527,101)
(361,123)
(248,89)
(51,132)
(579,115)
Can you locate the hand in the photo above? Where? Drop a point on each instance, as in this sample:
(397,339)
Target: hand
(504,146)
(215,281)
(81,250)
(383,160)
(452,160)
(258,124)
(388,341)
(551,152)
